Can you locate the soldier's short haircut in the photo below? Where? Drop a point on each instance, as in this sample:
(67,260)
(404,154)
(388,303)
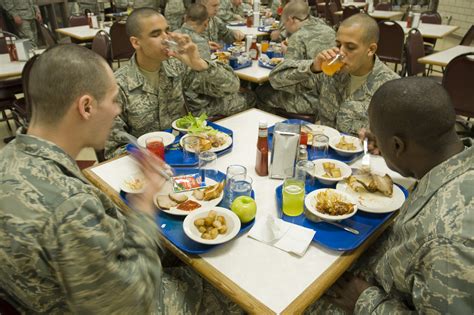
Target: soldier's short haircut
(133,26)
(414,107)
(203,2)
(197,13)
(298,9)
(369,25)
(62,74)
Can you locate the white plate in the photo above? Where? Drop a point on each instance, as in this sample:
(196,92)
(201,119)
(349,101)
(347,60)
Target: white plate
(232,222)
(227,143)
(310,203)
(374,202)
(126,188)
(319,171)
(168,138)
(350,139)
(206,205)
(328,131)
(173,124)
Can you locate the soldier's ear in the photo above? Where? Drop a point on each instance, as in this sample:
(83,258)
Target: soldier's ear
(135,42)
(84,106)
(372,49)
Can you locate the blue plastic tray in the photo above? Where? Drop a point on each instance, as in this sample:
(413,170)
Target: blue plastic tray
(265,65)
(174,152)
(334,237)
(172,226)
(332,154)
(266,29)
(244,65)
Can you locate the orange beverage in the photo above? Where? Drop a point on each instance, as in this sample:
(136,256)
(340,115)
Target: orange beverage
(155,145)
(264,45)
(332,66)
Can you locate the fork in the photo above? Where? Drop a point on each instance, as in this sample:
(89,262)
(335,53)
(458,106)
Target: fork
(366,158)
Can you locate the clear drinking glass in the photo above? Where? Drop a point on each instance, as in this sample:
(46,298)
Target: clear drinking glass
(303,171)
(293,197)
(232,170)
(207,164)
(319,146)
(191,148)
(240,185)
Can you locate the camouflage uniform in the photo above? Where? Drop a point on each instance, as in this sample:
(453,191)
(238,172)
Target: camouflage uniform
(313,37)
(337,107)
(67,248)
(174,13)
(27,10)
(155,4)
(198,39)
(145,110)
(90,5)
(228,12)
(217,31)
(424,262)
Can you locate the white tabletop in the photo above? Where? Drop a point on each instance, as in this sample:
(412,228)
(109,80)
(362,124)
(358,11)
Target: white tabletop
(272,276)
(255,73)
(431,30)
(388,15)
(10,69)
(356,4)
(247,30)
(83,32)
(442,58)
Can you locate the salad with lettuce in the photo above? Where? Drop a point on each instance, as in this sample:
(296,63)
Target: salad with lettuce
(195,125)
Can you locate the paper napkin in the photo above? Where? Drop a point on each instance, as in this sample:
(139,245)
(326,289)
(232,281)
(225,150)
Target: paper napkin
(284,235)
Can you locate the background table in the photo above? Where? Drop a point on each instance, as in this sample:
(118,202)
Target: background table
(260,278)
(10,69)
(431,30)
(83,32)
(254,73)
(382,15)
(248,30)
(442,58)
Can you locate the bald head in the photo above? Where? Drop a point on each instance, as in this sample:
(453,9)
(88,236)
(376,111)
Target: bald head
(133,26)
(414,109)
(296,9)
(367,24)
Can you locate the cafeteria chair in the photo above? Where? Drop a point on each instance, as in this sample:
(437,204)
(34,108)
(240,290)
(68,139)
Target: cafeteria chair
(330,10)
(468,37)
(349,11)
(457,80)
(122,49)
(48,37)
(383,6)
(430,17)
(391,43)
(414,50)
(79,20)
(319,8)
(102,45)
(338,5)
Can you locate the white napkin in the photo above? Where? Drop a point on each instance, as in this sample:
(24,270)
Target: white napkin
(284,235)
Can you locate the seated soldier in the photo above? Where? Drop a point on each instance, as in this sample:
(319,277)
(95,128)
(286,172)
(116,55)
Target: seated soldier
(65,246)
(196,23)
(231,10)
(345,96)
(151,85)
(309,37)
(423,263)
(174,13)
(217,30)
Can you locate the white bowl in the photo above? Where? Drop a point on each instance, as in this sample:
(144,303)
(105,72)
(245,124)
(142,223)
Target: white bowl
(128,188)
(318,171)
(310,203)
(351,139)
(168,138)
(232,222)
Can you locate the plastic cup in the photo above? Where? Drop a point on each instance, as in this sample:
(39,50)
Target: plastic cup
(293,197)
(264,45)
(232,170)
(330,67)
(207,164)
(155,145)
(303,169)
(240,185)
(319,146)
(191,148)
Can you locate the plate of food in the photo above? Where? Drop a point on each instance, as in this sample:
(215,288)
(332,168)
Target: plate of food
(373,193)
(269,63)
(168,138)
(214,141)
(183,203)
(329,171)
(330,204)
(189,122)
(346,145)
(212,226)
(133,184)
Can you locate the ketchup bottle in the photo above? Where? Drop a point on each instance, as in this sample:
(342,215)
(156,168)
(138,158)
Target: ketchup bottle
(253,50)
(261,164)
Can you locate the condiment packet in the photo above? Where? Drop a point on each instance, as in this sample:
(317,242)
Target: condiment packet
(187,182)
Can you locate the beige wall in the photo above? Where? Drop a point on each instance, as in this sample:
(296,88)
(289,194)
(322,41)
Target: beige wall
(462,12)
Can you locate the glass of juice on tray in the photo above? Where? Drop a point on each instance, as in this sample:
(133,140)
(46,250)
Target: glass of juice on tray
(293,197)
(330,67)
(156,146)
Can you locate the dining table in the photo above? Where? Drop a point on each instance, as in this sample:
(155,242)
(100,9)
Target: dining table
(83,32)
(260,278)
(428,30)
(381,15)
(10,69)
(254,74)
(247,30)
(442,58)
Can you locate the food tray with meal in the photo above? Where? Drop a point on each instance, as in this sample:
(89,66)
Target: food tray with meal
(174,154)
(328,235)
(170,221)
(334,137)
(238,66)
(271,64)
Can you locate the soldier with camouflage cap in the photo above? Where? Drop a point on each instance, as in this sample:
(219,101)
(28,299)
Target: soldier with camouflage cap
(196,23)
(309,37)
(217,30)
(231,10)
(24,14)
(423,263)
(152,84)
(344,97)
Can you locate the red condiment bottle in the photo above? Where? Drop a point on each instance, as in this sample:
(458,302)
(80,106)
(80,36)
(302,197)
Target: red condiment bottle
(253,50)
(261,164)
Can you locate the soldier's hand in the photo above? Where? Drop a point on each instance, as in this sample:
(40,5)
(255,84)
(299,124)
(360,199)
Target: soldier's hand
(275,35)
(372,142)
(214,45)
(188,52)
(284,46)
(18,20)
(239,36)
(327,54)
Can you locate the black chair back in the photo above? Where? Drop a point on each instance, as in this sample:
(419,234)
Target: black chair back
(468,37)
(121,46)
(102,45)
(391,42)
(383,6)
(349,11)
(415,50)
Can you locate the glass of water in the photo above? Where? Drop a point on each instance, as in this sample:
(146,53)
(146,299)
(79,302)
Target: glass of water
(207,164)
(240,185)
(319,146)
(232,170)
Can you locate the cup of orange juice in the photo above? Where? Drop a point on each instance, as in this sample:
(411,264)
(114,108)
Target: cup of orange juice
(330,67)
(264,44)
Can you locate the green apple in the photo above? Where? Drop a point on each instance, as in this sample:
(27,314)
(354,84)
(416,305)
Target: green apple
(245,208)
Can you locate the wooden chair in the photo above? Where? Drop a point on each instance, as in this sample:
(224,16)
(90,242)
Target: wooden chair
(391,43)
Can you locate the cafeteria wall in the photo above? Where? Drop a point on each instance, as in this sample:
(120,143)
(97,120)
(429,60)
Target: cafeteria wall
(462,12)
